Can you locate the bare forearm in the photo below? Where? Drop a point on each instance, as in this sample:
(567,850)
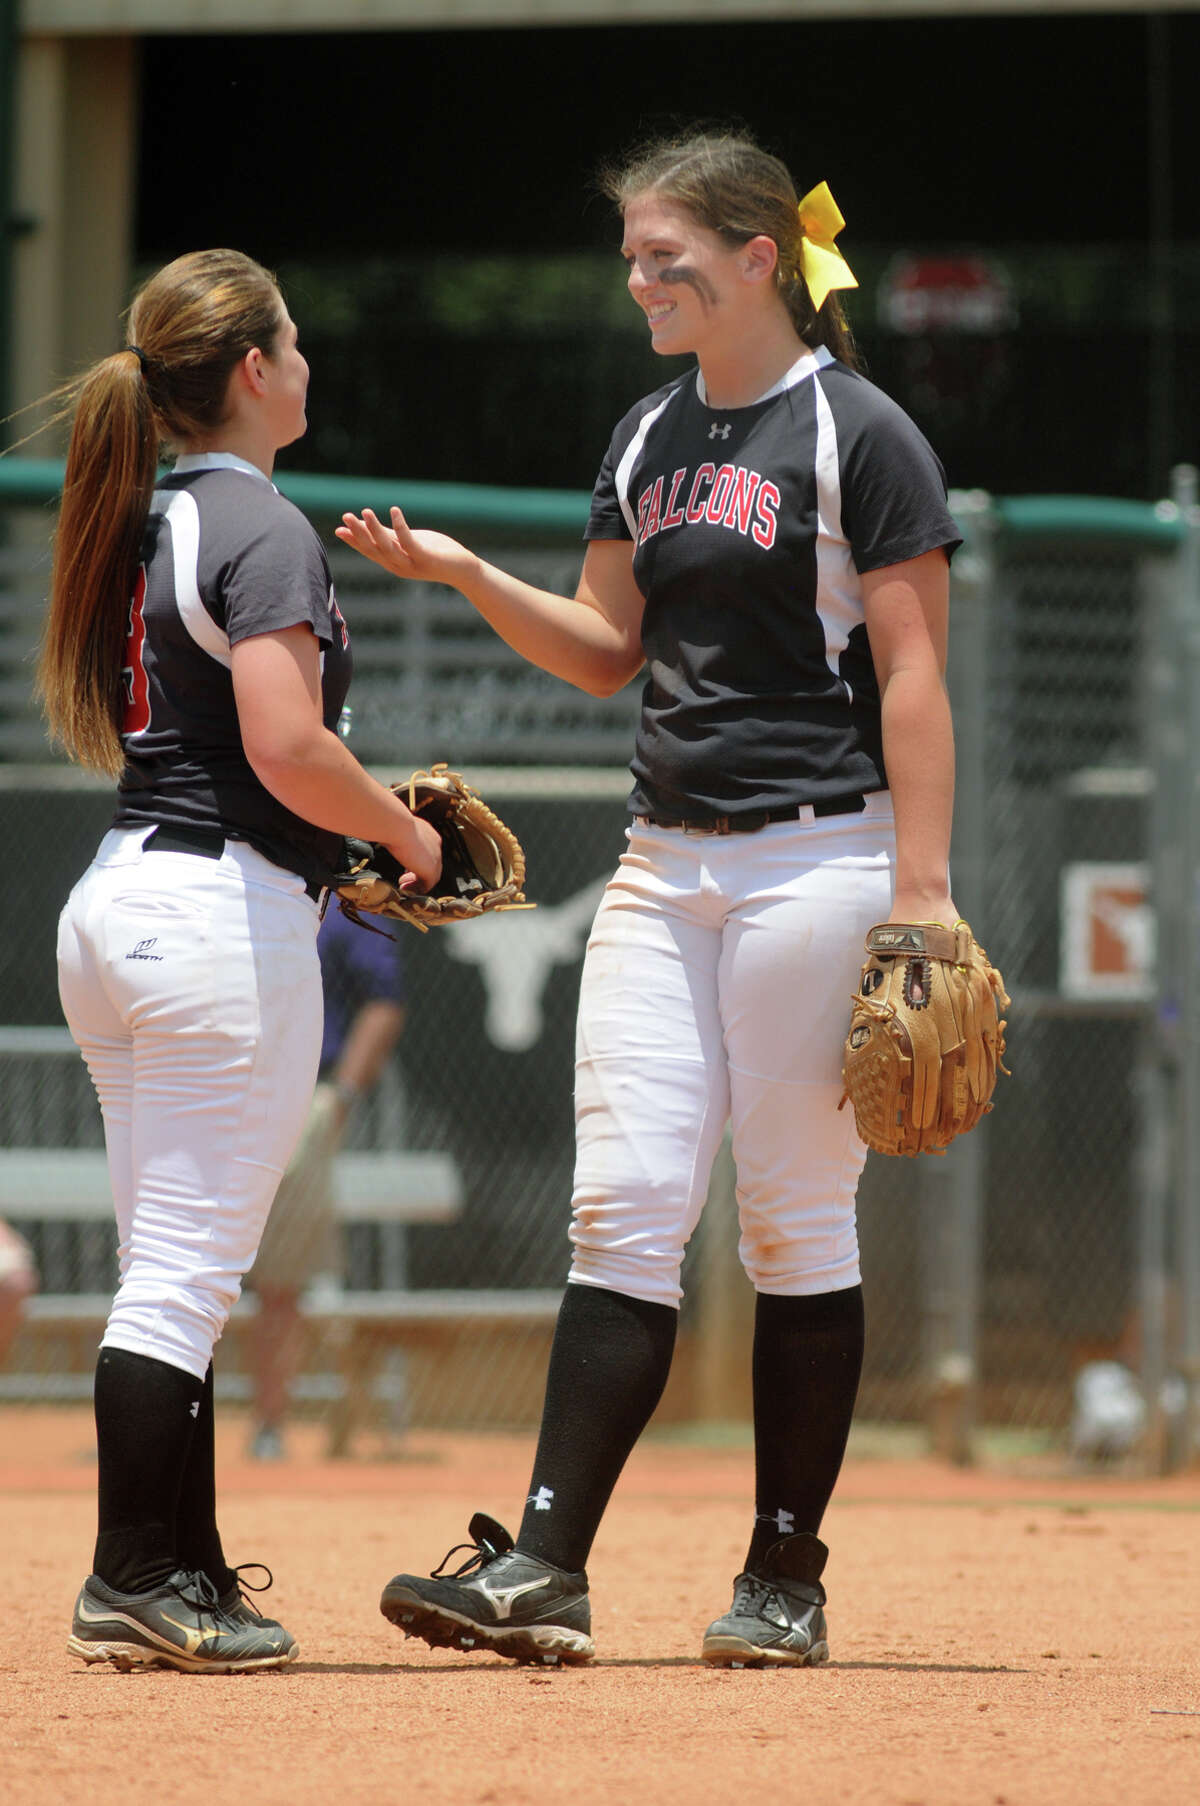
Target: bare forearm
(918,750)
(560,634)
(319,779)
(592,640)
(372,1036)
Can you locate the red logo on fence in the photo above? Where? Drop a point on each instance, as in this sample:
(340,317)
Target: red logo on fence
(1107,938)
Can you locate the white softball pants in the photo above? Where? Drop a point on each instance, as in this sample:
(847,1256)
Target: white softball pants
(716,988)
(193,989)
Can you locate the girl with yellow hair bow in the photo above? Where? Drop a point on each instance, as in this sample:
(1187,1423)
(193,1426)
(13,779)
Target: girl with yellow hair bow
(770,537)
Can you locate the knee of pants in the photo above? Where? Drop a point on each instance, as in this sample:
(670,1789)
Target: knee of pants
(798,1163)
(644,1154)
(804,1267)
(639,1271)
(629,1230)
(800,1238)
(179,1322)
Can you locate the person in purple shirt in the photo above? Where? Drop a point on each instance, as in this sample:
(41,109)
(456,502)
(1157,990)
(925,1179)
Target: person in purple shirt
(363,979)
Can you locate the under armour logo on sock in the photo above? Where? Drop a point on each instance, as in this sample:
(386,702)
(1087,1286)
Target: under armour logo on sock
(541,1499)
(784,1521)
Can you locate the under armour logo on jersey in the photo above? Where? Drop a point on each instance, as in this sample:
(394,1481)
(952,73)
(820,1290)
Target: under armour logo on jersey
(541,1499)
(784,1521)
(719,432)
(141,950)
(194,1407)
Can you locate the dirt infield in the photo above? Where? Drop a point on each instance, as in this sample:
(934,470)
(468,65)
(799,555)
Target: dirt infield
(1008,1636)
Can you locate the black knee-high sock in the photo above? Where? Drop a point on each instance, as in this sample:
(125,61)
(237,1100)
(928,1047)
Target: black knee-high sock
(197,1539)
(145,1416)
(608,1366)
(807,1361)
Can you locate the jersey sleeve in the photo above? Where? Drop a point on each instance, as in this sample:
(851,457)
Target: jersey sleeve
(606,518)
(894,503)
(278,577)
(611,515)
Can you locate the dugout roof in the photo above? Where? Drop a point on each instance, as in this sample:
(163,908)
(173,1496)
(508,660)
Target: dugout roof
(118,16)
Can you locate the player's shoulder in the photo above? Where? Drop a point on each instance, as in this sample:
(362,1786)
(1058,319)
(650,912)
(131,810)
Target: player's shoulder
(861,406)
(654,405)
(238,507)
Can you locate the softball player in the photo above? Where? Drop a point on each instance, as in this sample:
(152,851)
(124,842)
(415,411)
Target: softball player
(194,648)
(769,536)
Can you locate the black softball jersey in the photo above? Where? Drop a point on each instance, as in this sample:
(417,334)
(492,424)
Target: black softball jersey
(225,557)
(752,527)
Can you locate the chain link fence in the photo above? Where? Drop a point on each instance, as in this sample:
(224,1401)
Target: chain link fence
(1064,613)
(1038,1246)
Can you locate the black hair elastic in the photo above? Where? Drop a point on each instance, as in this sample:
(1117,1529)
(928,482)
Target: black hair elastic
(140,355)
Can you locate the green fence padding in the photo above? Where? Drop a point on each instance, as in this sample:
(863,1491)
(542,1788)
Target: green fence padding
(526,513)
(1090,517)
(561,514)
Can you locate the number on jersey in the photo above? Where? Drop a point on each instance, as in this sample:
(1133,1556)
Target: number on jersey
(135,717)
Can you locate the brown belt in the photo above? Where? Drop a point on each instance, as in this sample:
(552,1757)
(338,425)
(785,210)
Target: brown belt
(752,820)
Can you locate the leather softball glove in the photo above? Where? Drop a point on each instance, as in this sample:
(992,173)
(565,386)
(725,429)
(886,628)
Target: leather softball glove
(926,1038)
(483,865)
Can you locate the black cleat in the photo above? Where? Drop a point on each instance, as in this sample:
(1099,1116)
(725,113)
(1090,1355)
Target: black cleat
(514,1604)
(240,1610)
(179,1624)
(776,1619)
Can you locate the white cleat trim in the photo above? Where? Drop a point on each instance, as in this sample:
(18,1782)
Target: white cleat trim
(544,1642)
(127,1656)
(738,1652)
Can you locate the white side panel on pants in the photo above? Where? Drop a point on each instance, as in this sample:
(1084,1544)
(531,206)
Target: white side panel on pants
(717,988)
(193,989)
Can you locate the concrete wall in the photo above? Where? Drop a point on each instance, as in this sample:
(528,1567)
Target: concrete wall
(77,107)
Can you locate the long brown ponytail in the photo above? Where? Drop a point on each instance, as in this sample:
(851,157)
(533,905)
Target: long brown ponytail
(731,186)
(189,326)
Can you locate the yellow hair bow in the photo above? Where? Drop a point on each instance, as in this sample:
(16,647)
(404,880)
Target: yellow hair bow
(821,263)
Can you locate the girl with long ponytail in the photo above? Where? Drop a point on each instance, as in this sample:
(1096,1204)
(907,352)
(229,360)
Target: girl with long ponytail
(194,651)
